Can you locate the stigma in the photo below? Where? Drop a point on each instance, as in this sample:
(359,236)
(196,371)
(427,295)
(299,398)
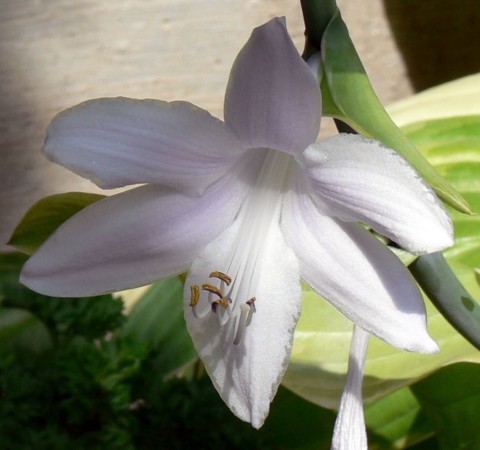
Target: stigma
(217,293)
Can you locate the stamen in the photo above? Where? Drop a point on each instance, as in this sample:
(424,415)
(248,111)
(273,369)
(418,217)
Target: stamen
(224,314)
(221,276)
(246,313)
(194,299)
(251,303)
(242,323)
(227,312)
(224,301)
(212,289)
(194,294)
(253,309)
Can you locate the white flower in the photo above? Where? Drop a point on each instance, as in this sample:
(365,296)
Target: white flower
(249,206)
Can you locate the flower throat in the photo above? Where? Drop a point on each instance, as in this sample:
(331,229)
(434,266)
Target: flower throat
(231,290)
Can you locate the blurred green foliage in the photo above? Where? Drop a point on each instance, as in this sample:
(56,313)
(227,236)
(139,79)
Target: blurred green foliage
(104,379)
(99,381)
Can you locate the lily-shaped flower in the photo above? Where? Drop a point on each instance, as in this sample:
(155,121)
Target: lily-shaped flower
(249,206)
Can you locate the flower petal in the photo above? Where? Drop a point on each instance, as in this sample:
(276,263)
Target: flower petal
(119,141)
(136,237)
(363,180)
(247,375)
(272,98)
(350,432)
(356,273)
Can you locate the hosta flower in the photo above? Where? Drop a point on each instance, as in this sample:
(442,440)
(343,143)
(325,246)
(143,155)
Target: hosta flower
(249,207)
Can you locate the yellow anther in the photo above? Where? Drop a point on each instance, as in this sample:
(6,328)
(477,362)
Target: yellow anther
(224,301)
(194,294)
(221,276)
(212,289)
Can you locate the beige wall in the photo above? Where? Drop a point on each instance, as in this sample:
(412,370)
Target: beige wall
(56,53)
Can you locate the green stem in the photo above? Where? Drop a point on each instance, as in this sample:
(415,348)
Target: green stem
(317,15)
(438,281)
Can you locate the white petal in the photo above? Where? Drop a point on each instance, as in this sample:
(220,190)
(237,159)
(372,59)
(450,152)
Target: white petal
(119,141)
(357,274)
(363,180)
(135,237)
(272,98)
(247,375)
(350,432)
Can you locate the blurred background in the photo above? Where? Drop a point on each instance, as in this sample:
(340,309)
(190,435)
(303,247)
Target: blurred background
(57,53)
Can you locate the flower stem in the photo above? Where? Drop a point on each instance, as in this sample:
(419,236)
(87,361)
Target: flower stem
(317,15)
(439,282)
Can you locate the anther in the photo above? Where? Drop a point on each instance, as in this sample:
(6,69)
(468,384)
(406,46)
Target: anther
(212,289)
(224,302)
(253,308)
(251,303)
(194,298)
(194,294)
(221,276)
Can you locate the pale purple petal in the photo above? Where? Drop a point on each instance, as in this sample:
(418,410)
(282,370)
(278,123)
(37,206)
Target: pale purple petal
(364,181)
(350,432)
(247,374)
(272,98)
(136,237)
(119,141)
(357,274)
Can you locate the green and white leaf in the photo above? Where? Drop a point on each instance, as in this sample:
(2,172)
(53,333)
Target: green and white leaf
(349,96)
(322,339)
(456,98)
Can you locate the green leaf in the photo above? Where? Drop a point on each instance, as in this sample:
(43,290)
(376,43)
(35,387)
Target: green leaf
(356,103)
(158,318)
(322,338)
(22,333)
(453,146)
(294,423)
(456,98)
(10,266)
(45,216)
(398,419)
(320,353)
(451,399)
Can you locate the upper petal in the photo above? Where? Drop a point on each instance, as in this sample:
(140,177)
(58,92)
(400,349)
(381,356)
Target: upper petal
(135,238)
(248,374)
(119,141)
(363,180)
(272,98)
(357,274)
